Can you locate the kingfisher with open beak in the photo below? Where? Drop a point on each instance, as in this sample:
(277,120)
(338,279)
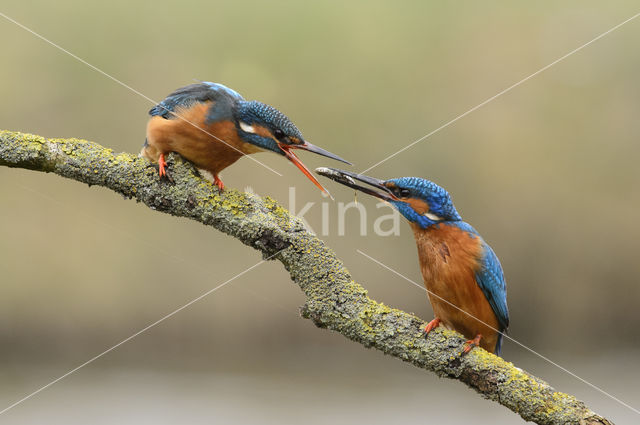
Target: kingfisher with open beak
(213,126)
(462,274)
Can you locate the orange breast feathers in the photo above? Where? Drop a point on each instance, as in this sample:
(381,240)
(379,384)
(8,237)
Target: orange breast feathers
(212,147)
(449,258)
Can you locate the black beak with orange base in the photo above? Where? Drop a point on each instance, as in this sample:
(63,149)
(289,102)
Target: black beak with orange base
(349,179)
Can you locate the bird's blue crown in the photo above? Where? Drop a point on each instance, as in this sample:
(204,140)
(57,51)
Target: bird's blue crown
(436,198)
(254,112)
(258,113)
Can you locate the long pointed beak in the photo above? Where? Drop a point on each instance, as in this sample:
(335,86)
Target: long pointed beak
(349,179)
(315,149)
(286,149)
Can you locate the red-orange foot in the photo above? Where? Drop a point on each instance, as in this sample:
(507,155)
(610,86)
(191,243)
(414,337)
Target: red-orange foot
(162,166)
(218,182)
(475,342)
(431,325)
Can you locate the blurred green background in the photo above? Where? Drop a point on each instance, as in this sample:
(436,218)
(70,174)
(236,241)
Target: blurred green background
(547,173)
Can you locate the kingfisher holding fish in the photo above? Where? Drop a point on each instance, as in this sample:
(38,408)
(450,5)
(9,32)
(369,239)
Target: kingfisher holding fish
(462,274)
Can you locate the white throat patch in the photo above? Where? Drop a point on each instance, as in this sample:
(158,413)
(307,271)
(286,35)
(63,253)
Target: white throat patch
(432,217)
(247,128)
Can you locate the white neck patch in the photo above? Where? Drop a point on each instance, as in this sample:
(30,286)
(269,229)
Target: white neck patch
(247,128)
(432,217)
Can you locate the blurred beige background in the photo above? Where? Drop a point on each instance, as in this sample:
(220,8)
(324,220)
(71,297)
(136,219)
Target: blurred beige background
(547,173)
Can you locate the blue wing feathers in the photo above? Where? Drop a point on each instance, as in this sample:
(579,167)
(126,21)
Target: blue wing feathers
(222,88)
(187,96)
(490,278)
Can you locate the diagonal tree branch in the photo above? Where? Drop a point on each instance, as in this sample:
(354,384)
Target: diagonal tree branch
(333,299)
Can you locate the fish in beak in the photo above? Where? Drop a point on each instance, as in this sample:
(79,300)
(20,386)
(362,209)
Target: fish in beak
(375,187)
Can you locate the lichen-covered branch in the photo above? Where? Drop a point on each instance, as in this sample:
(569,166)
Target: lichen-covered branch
(333,299)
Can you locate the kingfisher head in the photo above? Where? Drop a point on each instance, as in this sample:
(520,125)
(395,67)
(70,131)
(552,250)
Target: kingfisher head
(420,201)
(267,128)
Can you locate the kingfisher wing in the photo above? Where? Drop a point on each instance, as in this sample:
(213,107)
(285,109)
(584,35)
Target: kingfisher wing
(491,280)
(187,96)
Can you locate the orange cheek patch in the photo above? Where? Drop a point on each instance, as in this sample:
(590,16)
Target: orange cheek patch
(262,131)
(418,205)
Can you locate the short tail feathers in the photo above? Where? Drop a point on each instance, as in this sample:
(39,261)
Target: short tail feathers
(499,344)
(157,110)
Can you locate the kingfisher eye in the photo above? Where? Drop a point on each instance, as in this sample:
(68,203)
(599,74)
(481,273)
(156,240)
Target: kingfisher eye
(278,133)
(403,193)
